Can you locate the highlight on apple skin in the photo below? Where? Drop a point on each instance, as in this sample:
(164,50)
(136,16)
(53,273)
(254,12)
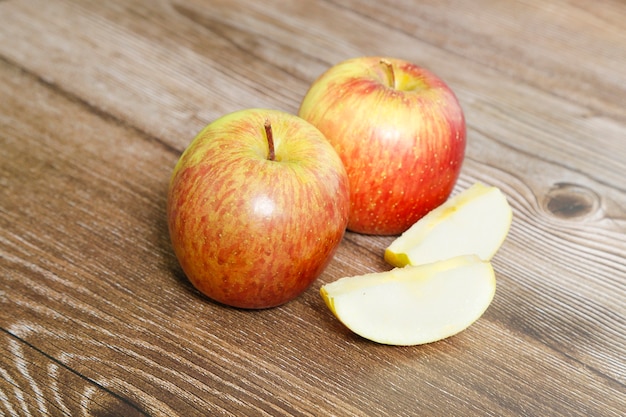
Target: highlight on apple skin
(400,132)
(252,228)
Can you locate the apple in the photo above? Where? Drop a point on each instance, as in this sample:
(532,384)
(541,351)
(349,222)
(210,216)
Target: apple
(400,132)
(257,205)
(474,222)
(415,304)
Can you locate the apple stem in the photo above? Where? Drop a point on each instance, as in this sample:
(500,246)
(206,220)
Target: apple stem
(270,140)
(390,73)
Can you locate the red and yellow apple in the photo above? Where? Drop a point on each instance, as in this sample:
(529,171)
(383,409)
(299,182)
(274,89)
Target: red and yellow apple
(400,132)
(257,205)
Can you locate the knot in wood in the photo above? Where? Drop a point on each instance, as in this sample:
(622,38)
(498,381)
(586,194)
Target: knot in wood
(568,201)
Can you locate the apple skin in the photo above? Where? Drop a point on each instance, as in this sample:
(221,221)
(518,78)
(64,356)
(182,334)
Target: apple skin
(400,132)
(250,232)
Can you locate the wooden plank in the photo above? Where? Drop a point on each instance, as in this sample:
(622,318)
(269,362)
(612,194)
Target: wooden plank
(571,49)
(99,98)
(34,384)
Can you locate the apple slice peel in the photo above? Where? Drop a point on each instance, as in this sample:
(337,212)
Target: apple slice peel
(416,304)
(476,221)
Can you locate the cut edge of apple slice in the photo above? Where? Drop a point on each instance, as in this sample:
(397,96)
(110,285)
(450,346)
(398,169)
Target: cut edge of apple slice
(474,222)
(416,304)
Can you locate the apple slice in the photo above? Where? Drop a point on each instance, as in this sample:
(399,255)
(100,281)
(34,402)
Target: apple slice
(474,222)
(415,304)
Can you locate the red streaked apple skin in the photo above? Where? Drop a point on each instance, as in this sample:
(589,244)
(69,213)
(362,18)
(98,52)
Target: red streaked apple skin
(402,146)
(249,232)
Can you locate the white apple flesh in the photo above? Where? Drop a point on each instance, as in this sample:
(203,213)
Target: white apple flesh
(476,221)
(415,304)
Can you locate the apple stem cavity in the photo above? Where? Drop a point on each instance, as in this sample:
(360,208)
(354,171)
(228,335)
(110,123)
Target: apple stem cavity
(270,140)
(389,68)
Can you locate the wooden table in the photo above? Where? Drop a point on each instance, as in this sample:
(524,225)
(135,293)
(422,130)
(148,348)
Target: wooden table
(99,99)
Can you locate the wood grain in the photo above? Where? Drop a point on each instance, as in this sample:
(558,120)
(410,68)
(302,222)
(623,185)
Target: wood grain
(100,98)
